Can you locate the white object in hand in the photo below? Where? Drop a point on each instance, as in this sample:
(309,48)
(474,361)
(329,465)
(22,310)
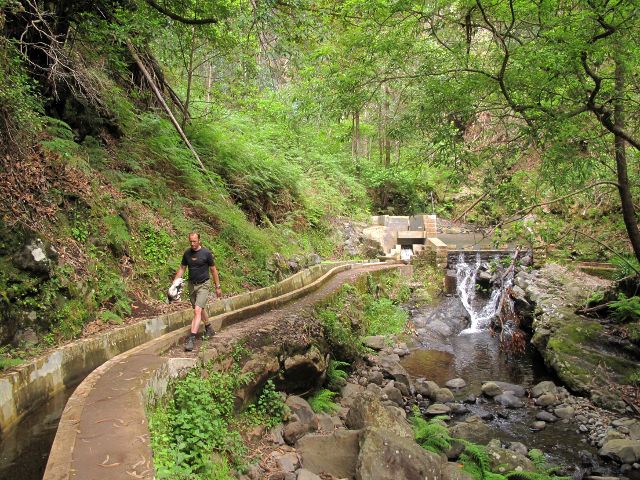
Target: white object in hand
(175,289)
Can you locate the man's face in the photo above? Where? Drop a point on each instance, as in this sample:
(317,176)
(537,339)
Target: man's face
(194,241)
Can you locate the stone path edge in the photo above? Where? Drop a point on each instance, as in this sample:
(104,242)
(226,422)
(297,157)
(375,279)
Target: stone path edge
(30,385)
(60,462)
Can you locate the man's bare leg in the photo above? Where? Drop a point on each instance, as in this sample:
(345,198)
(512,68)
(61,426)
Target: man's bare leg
(198,314)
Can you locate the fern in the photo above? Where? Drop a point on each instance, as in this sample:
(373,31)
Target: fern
(336,375)
(322,402)
(537,457)
(626,309)
(432,435)
(477,455)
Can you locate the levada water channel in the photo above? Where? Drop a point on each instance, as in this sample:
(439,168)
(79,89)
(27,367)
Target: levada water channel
(454,340)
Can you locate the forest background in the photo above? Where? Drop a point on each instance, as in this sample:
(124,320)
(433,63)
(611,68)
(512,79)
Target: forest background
(269,125)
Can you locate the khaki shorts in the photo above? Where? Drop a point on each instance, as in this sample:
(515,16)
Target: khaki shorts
(198,294)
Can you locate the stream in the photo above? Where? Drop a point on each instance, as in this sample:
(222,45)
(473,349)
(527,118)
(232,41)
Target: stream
(453,340)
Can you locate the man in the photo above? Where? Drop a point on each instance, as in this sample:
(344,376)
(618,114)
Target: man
(200,262)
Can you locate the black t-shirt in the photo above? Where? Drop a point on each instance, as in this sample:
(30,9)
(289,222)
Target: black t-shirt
(198,262)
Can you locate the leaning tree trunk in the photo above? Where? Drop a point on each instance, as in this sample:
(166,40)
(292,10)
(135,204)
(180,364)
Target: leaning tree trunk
(626,198)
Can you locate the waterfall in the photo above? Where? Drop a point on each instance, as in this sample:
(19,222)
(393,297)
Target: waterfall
(482,314)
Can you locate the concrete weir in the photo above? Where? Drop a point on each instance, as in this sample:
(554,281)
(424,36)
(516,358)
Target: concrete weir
(103,432)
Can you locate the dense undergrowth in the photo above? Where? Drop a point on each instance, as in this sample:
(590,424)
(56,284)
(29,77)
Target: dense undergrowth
(195,429)
(120,213)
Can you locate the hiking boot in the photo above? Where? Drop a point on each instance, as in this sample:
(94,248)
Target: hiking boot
(189,343)
(208,331)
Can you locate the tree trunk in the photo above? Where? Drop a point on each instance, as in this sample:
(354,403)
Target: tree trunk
(209,80)
(185,112)
(357,132)
(626,199)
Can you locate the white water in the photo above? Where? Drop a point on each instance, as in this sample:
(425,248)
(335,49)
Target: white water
(480,312)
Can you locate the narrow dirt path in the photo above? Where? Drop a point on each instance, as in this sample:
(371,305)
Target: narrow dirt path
(267,322)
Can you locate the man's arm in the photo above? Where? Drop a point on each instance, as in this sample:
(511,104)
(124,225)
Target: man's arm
(216,281)
(180,272)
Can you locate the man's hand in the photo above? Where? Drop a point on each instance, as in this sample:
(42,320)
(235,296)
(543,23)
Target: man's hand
(218,291)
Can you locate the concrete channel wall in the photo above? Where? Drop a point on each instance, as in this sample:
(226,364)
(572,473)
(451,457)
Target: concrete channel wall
(32,384)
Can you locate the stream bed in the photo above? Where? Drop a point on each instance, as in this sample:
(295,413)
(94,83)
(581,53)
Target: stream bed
(453,340)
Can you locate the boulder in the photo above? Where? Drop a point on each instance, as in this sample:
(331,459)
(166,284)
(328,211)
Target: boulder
(453,471)
(367,411)
(456,383)
(391,368)
(491,389)
(261,368)
(349,393)
(304,474)
(472,429)
(438,409)
(390,457)
(509,400)
(426,388)
(37,257)
(546,417)
(538,425)
(375,377)
(442,395)
(517,390)
(304,420)
(301,408)
(621,450)
(543,387)
(334,454)
(393,394)
(377,342)
(564,412)
(546,399)
(503,460)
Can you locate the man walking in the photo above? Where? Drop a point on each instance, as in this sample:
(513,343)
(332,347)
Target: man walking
(200,262)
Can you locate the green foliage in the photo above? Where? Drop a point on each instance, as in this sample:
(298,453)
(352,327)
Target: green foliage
(156,245)
(70,319)
(432,435)
(80,231)
(322,401)
(6,363)
(537,457)
(20,105)
(634,378)
(116,234)
(194,422)
(626,309)
(367,308)
(336,375)
(626,265)
(269,409)
(108,316)
(383,317)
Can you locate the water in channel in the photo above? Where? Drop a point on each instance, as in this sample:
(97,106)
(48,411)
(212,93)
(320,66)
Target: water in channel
(24,448)
(454,341)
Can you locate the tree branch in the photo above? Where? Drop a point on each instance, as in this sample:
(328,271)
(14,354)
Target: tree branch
(180,18)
